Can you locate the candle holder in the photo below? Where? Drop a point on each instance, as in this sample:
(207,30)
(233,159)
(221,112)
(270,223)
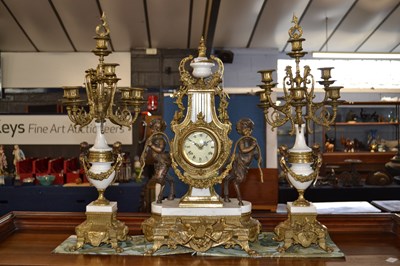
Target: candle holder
(301,163)
(101,163)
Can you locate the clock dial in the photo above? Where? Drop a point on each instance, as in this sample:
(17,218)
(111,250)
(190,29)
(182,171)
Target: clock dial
(199,148)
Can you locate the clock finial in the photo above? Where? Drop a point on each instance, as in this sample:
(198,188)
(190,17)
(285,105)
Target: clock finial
(202,65)
(202,48)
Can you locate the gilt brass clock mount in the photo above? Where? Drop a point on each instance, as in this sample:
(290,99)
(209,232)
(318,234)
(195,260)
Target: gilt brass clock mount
(201,145)
(200,152)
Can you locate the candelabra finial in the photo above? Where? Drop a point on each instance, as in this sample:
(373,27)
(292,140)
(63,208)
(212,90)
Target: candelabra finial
(102,30)
(296,31)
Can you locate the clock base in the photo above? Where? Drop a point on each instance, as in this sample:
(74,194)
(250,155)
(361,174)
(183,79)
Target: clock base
(200,198)
(201,228)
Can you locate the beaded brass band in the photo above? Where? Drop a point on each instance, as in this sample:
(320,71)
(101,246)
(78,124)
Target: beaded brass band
(301,157)
(100,156)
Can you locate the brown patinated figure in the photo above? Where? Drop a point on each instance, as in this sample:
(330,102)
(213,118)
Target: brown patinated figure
(248,150)
(156,144)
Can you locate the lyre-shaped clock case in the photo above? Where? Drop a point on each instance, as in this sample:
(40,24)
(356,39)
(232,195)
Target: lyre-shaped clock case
(201,146)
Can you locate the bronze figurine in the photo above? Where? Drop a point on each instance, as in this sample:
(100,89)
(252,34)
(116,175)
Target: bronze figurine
(156,144)
(248,150)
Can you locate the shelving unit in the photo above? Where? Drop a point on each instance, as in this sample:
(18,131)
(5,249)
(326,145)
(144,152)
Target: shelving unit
(357,128)
(355,122)
(355,119)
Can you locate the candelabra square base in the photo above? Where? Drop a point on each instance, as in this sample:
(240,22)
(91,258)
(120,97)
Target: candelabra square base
(201,228)
(101,226)
(301,227)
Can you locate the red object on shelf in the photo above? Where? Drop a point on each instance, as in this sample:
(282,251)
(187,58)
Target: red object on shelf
(47,166)
(55,168)
(72,171)
(152,102)
(25,168)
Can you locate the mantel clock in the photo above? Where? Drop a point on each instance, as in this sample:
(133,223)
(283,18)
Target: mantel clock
(200,156)
(201,147)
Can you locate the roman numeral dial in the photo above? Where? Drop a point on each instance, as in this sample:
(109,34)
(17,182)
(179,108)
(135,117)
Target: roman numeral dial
(199,148)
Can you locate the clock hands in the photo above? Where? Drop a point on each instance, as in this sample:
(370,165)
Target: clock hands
(205,143)
(196,144)
(200,145)
(192,141)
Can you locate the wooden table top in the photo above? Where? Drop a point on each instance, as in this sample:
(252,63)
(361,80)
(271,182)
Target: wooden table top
(29,238)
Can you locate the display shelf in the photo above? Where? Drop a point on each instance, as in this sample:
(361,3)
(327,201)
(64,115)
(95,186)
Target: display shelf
(357,123)
(341,193)
(365,123)
(354,118)
(367,157)
(370,162)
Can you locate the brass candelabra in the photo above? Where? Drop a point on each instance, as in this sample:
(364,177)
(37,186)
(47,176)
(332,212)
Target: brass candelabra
(101,163)
(301,163)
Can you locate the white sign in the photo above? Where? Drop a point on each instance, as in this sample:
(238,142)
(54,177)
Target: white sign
(55,129)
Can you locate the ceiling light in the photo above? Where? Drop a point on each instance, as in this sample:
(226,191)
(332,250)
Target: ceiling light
(356,55)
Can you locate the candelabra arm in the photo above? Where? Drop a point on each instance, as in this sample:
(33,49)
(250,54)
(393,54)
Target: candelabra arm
(288,81)
(88,86)
(326,98)
(124,117)
(275,118)
(79,116)
(135,116)
(113,90)
(89,93)
(308,78)
(325,117)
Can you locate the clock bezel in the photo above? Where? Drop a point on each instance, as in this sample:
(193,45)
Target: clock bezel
(216,147)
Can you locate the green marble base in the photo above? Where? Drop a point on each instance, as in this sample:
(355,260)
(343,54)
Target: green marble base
(265,247)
